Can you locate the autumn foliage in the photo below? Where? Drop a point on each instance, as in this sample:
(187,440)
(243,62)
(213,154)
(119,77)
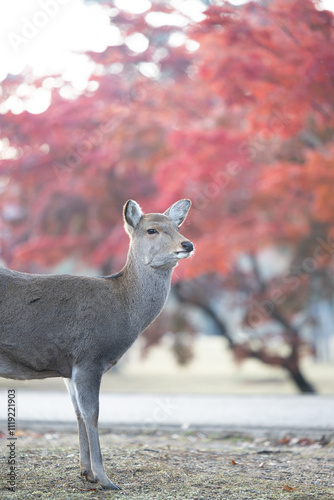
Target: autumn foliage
(241,123)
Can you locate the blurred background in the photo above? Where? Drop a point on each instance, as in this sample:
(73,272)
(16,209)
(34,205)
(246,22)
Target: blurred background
(228,104)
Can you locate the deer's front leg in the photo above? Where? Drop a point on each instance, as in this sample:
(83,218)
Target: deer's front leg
(85,466)
(86,386)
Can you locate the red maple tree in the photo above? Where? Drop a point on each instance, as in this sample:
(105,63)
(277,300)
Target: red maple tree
(243,126)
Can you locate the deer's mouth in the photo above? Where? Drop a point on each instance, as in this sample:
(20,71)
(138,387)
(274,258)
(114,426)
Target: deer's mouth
(183,254)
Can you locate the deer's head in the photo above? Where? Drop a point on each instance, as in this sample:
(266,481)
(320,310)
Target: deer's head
(155,238)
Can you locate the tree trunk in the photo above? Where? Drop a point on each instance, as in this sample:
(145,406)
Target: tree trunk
(298,378)
(290,363)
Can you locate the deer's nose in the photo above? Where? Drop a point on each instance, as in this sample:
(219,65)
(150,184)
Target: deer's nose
(188,246)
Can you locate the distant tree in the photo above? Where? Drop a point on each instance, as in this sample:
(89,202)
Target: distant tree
(260,165)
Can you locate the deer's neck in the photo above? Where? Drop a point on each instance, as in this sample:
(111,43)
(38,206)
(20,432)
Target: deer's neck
(146,290)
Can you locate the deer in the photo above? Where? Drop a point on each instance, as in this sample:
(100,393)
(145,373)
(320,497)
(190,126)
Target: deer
(78,327)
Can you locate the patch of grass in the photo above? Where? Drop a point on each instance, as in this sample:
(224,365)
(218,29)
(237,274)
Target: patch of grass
(169,466)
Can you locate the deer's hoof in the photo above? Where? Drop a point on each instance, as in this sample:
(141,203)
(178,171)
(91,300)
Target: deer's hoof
(110,486)
(88,475)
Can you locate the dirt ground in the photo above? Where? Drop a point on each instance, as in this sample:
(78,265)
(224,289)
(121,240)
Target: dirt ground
(165,465)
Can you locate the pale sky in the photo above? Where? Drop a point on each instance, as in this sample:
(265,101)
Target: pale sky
(42,33)
(51,36)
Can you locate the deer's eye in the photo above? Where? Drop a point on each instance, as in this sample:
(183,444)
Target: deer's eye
(152,231)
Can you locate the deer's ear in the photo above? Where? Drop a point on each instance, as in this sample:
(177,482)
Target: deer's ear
(178,212)
(132,214)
